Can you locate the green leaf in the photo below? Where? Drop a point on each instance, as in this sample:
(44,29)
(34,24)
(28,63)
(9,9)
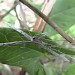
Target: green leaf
(50,69)
(63,15)
(57,48)
(41,71)
(19,55)
(70,70)
(10,35)
(25,55)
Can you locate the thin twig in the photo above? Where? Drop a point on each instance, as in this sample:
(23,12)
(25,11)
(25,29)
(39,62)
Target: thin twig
(46,9)
(50,22)
(20,31)
(14,43)
(1,17)
(17,16)
(22,20)
(38,42)
(48,49)
(40,23)
(24,17)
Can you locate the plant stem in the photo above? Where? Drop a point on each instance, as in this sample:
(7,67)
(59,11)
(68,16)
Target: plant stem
(50,22)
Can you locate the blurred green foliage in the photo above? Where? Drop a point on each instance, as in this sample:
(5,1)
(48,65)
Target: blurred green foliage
(62,14)
(69,70)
